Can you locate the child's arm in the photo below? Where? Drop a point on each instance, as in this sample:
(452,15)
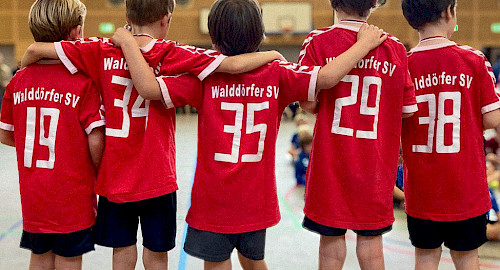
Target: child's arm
(145,80)
(247,62)
(96,146)
(491,119)
(309,106)
(38,51)
(7,137)
(369,37)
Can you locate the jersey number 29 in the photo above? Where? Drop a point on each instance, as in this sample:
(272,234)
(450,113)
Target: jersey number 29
(364,109)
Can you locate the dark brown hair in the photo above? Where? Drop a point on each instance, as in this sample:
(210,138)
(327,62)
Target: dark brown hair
(236,26)
(358,7)
(421,12)
(143,12)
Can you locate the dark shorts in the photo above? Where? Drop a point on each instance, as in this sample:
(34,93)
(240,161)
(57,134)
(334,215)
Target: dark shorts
(62,244)
(332,231)
(458,235)
(217,247)
(117,223)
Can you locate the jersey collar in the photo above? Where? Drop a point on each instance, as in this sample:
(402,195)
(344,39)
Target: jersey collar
(148,47)
(352,25)
(422,47)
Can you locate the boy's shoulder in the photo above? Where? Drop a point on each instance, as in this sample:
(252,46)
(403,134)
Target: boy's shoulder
(465,52)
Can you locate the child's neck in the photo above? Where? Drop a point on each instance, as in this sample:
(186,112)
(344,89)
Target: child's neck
(342,16)
(144,34)
(434,30)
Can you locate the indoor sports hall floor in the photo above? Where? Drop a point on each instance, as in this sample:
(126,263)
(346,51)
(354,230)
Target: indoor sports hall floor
(288,245)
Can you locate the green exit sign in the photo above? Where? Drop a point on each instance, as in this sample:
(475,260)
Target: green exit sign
(106,28)
(495,28)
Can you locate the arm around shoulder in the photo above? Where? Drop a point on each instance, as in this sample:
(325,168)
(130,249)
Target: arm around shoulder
(37,51)
(247,62)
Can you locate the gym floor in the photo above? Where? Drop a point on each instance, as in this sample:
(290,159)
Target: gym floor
(288,245)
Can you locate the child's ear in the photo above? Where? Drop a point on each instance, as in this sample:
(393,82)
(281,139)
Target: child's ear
(76,32)
(166,19)
(449,13)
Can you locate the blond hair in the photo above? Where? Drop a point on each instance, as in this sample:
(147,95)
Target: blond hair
(144,12)
(53,20)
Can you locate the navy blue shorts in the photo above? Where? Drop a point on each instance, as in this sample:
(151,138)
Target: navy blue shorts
(117,223)
(332,231)
(217,247)
(62,244)
(457,235)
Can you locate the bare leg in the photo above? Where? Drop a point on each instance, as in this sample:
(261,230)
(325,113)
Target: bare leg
(427,259)
(225,265)
(125,258)
(68,263)
(248,264)
(370,252)
(493,231)
(332,252)
(154,260)
(42,261)
(465,260)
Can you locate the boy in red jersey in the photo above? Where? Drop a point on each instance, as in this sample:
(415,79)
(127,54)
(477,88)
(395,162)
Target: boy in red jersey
(55,124)
(446,190)
(356,140)
(137,178)
(239,118)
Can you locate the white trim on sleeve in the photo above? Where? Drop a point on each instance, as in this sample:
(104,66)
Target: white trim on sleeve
(64,58)
(7,127)
(490,107)
(164,92)
(96,124)
(212,67)
(410,108)
(311,94)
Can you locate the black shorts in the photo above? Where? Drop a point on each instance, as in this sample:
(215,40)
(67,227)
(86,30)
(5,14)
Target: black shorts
(332,231)
(117,223)
(62,244)
(458,235)
(217,247)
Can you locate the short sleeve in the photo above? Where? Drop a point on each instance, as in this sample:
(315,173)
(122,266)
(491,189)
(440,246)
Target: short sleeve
(80,55)
(307,54)
(297,83)
(490,100)
(7,113)
(90,114)
(409,98)
(181,90)
(197,61)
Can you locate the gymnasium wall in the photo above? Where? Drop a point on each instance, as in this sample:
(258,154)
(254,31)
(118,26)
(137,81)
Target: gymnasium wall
(474,18)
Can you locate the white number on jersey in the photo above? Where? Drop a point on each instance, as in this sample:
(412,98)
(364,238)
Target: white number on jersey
(364,108)
(49,141)
(137,111)
(250,128)
(442,120)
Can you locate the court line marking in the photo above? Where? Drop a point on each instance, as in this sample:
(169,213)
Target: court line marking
(183,255)
(11,229)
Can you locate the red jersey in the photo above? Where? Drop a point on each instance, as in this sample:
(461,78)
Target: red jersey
(443,142)
(139,159)
(51,112)
(354,157)
(234,189)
